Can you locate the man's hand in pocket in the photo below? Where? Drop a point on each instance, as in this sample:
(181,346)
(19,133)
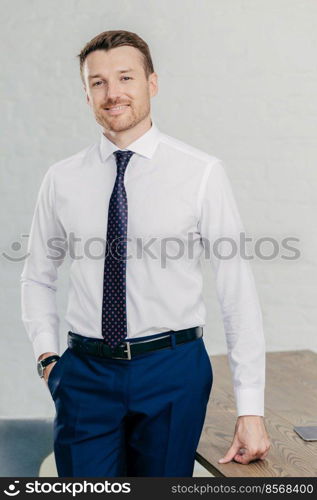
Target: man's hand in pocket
(48,368)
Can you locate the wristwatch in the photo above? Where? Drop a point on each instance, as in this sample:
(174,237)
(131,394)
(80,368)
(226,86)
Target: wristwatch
(44,362)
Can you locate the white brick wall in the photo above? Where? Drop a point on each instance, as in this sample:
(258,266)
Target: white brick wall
(237,78)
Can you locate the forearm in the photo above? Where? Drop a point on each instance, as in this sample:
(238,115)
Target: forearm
(40,316)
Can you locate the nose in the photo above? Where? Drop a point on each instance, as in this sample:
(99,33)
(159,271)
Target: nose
(113,91)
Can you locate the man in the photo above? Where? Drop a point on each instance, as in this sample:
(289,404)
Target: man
(132,387)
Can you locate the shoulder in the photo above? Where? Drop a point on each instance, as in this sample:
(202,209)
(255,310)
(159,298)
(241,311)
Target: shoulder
(185,149)
(72,162)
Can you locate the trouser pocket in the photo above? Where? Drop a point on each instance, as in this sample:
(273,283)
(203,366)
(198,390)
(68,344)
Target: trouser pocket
(209,370)
(56,373)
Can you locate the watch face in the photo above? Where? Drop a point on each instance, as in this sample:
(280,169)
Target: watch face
(40,369)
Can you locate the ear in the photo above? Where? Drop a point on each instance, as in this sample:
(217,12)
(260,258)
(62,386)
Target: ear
(87,96)
(153,84)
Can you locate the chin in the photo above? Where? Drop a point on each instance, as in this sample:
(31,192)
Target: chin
(120,126)
(116,124)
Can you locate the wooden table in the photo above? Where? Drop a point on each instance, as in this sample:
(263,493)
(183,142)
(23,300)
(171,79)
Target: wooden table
(290,399)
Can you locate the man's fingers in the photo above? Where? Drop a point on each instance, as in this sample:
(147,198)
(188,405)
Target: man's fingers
(244,459)
(247,456)
(230,454)
(48,370)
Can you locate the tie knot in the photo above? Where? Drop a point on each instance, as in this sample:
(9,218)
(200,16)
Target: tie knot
(122,159)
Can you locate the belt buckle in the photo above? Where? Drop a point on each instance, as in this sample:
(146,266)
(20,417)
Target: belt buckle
(128,351)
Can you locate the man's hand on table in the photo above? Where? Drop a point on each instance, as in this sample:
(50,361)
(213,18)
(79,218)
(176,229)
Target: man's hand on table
(48,368)
(250,441)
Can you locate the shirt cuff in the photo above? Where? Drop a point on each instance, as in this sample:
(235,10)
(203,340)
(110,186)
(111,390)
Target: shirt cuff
(249,401)
(45,342)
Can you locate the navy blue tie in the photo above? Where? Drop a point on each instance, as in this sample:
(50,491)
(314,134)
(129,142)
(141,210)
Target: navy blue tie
(114,314)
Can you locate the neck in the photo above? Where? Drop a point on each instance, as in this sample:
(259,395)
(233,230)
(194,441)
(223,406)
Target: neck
(125,137)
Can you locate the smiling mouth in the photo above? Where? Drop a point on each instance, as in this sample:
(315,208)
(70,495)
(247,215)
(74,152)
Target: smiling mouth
(117,108)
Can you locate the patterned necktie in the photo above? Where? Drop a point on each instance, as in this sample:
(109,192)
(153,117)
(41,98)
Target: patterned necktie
(114,316)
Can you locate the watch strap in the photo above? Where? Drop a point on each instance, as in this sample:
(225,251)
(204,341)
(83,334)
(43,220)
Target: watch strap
(49,359)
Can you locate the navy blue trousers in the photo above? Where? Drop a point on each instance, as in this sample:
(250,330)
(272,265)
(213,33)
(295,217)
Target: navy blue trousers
(127,418)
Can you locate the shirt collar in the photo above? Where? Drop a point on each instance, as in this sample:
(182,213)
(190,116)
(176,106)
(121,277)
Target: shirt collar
(145,145)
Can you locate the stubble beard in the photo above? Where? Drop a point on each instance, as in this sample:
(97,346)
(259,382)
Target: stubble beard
(120,123)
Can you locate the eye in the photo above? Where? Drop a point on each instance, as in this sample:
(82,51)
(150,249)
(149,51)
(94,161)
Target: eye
(96,84)
(128,77)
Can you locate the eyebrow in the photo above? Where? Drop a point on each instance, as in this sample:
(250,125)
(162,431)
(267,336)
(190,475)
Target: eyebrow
(119,71)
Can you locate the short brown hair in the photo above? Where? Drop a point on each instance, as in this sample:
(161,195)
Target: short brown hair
(117,38)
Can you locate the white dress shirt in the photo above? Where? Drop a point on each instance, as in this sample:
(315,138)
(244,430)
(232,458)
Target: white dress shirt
(180,202)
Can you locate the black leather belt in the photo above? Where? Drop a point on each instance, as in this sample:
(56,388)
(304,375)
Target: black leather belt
(127,350)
